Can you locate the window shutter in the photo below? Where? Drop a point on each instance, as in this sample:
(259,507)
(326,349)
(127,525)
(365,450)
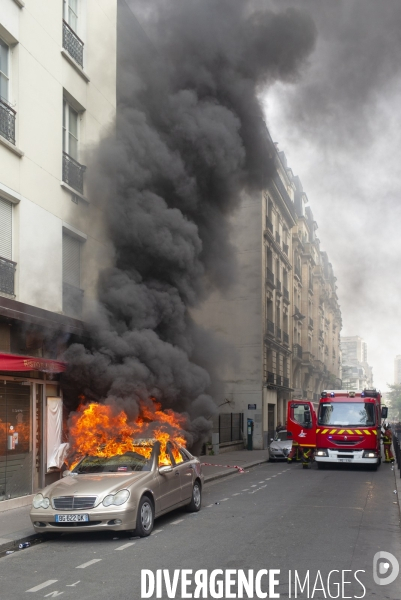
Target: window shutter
(71,261)
(6,209)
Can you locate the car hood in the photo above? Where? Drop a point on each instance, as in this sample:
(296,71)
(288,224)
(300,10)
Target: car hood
(280,445)
(93,485)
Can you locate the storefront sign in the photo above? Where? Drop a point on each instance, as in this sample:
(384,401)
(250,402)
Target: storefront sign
(14,362)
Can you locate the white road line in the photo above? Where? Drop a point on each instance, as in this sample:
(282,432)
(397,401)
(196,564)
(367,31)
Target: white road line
(268,479)
(237,494)
(224,499)
(42,585)
(254,485)
(180,520)
(89,563)
(260,481)
(126,546)
(246,490)
(209,505)
(274,476)
(156,531)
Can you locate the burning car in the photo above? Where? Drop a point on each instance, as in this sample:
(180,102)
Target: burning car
(124,491)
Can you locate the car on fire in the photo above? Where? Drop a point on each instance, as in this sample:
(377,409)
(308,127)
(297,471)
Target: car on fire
(121,492)
(280,446)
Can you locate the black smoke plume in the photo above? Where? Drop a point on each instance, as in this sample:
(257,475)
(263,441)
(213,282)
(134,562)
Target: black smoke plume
(190,137)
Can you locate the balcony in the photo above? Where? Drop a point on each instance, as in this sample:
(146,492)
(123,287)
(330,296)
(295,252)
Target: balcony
(7,122)
(286,338)
(73,173)
(72,300)
(297,352)
(278,333)
(7,271)
(269,276)
(270,377)
(73,45)
(269,327)
(269,224)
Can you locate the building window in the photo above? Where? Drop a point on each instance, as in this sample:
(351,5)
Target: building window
(7,266)
(72,293)
(73,171)
(7,114)
(71,42)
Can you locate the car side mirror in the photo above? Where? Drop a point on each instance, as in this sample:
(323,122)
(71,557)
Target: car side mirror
(384,412)
(165,469)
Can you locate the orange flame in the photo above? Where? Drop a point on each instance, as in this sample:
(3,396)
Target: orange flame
(97,430)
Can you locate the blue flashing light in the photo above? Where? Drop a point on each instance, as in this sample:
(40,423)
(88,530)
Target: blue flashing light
(332,394)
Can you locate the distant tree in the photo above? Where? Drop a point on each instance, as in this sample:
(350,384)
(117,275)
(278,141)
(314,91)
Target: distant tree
(394,400)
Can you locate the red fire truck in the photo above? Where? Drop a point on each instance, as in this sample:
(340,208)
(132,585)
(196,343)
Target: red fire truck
(345,429)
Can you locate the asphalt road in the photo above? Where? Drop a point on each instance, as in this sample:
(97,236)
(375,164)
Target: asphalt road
(273,517)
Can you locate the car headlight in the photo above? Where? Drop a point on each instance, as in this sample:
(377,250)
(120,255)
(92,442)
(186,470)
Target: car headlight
(321,452)
(369,454)
(40,502)
(117,499)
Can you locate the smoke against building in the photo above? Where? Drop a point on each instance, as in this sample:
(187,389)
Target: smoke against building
(190,141)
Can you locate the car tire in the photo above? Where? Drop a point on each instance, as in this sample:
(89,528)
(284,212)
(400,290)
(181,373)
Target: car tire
(145,517)
(196,498)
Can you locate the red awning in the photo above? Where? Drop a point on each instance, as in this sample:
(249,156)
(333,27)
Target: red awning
(15,362)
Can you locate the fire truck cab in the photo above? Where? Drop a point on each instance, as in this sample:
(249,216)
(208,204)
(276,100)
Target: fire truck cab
(345,427)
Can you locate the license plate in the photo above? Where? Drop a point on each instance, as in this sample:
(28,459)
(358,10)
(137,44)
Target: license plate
(345,459)
(71,518)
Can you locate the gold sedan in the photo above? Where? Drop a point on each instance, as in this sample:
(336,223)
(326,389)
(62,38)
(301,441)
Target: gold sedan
(122,492)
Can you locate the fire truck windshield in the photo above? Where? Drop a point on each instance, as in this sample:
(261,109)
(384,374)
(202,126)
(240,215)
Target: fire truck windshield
(347,414)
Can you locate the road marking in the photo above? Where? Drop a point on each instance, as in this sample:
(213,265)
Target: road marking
(254,485)
(237,494)
(42,585)
(73,584)
(156,531)
(246,490)
(53,594)
(260,481)
(180,520)
(209,505)
(268,479)
(126,546)
(224,499)
(89,563)
(274,475)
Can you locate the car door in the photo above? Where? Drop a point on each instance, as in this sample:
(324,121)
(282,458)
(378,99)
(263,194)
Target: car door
(169,482)
(301,422)
(185,469)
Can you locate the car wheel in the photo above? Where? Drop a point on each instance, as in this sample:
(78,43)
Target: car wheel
(145,517)
(196,498)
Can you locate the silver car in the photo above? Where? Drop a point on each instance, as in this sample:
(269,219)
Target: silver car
(280,447)
(122,492)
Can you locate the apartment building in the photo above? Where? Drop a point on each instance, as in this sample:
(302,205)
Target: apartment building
(357,374)
(57,94)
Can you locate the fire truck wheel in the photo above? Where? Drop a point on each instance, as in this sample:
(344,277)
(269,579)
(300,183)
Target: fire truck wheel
(196,498)
(145,517)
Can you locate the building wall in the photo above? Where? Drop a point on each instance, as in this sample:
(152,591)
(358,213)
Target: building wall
(41,75)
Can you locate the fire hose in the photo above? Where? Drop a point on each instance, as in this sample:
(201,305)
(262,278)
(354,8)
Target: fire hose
(240,469)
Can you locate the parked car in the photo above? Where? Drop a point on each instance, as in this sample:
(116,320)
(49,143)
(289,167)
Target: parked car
(280,446)
(121,492)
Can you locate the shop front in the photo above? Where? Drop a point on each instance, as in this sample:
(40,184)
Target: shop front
(31,417)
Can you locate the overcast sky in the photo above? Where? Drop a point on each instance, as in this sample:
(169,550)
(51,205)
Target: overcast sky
(339,125)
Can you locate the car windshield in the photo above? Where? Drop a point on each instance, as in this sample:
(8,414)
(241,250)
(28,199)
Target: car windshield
(281,436)
(347,414)
(128,462)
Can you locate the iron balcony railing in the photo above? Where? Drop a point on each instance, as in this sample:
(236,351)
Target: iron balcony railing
(270,326)
(7,271)
(72,300)
(270,377)
(73,173)
(269,276)
(269,224)
(286,338)
(7,121)
(72,43)
(297,351)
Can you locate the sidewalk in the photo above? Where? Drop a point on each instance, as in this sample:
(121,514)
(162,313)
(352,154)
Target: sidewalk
(16,527)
